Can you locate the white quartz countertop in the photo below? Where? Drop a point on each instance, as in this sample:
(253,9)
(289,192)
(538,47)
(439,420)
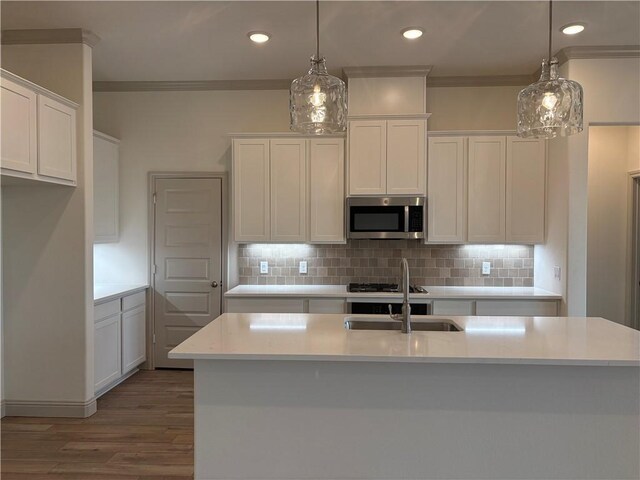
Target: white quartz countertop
(104,293)
(497,340)
(340,291)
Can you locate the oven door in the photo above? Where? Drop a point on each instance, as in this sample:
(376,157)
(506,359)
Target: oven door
(385,218)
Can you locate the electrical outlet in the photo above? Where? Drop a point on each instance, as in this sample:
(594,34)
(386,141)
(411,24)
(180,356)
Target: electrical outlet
(303,267)
(264,267)
(557,272)
(486,268)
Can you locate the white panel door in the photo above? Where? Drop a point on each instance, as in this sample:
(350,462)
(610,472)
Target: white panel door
(446,197)
(288,168)
(105,190)
(367,157)
(133,338)
(56,139)
(486,198)
(406,157)
(526,181)
(188,260)
(251,193)
(107,363)
(326,190)
(19,144)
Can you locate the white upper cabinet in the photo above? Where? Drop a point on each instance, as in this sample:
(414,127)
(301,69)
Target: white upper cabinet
(56,139)
(525,190)
(486,198)
(387,156)
(251,191)
(19,127)
(105,188)
(367,157)
(288,190)
(446,200)
(326,190)
(38,132)
(406,166)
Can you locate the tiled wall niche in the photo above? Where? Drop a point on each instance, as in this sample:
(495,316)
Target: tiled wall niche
(379,261)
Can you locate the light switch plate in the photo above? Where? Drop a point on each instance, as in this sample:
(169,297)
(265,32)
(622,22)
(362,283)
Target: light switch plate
(303,267)
(264,267)
(486,268)
(557,272)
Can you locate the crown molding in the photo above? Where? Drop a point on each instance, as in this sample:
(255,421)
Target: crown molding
(592,52)
(190,86)
(55,35)
(283,135)
(480,81)
(387,71)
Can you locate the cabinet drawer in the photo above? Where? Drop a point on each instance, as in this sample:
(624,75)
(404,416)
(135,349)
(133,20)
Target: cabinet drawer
(106,309)
(330,305)
(132,301)
(453,307)
(265,305)
(529,308)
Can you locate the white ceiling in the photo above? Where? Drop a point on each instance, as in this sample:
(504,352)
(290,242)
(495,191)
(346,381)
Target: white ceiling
(183,40)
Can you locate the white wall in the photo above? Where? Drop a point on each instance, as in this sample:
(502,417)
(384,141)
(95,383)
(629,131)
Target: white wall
(187,131)
(611,95)
(609,222)
(48,262)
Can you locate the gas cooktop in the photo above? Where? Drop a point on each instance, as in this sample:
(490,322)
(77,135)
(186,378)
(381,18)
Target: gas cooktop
(381,287)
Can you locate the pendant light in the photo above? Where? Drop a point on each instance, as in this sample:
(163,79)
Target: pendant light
(552,106)
(317,100)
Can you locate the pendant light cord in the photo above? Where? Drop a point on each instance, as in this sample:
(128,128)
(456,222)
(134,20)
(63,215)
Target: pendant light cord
(550,28)
(318,30)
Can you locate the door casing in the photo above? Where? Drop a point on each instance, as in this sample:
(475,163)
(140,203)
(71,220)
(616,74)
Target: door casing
(153,176)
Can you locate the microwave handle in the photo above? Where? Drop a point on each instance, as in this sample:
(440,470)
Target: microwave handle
(406,218)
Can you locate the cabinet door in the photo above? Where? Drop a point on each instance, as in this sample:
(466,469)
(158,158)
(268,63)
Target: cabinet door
(288,169)
(133,338)
(19,144)
(446,198)
(107,366)
(486,199)
(526,179)
(326,190)
(105,190)
(367,157)
(406,157)
(56,139)
(251,196)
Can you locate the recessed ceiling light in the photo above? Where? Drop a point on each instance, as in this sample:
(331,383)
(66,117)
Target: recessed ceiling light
(412,33)
(259,37)
(572,28)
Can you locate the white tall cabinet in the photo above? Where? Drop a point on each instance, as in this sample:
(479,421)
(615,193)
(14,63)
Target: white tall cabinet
(486,189)
(288,188)
(38,132)
(106,210)
(387,155)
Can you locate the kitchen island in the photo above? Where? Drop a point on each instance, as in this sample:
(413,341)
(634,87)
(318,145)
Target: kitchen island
(284,396)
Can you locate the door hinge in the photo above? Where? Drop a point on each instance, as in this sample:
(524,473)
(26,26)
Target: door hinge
(154,338)
(155,269)
(155,198)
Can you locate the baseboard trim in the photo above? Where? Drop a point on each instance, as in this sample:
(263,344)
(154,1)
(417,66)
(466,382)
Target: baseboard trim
(26,408)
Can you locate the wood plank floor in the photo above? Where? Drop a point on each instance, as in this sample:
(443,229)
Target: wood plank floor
(143,430)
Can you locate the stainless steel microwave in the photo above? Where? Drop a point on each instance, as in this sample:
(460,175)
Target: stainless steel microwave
(385,217)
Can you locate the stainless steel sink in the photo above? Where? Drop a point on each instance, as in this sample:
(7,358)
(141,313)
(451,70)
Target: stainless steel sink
(417,324)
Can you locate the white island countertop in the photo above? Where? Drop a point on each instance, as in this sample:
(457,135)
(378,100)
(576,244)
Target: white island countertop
(489,340)
(434,293)
(106,292)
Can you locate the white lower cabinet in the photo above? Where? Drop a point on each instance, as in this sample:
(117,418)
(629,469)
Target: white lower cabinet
(107,365)
(286,305)
(119,339)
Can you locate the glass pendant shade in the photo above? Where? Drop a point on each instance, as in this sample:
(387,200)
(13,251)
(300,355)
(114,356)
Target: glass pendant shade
(551,107)
(318,101)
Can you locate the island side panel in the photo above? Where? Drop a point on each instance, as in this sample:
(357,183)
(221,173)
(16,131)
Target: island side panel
(339,420)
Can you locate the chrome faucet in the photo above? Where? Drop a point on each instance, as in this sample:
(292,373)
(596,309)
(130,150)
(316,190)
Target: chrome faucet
(405,316)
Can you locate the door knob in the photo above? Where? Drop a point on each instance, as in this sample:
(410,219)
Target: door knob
(214,284)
